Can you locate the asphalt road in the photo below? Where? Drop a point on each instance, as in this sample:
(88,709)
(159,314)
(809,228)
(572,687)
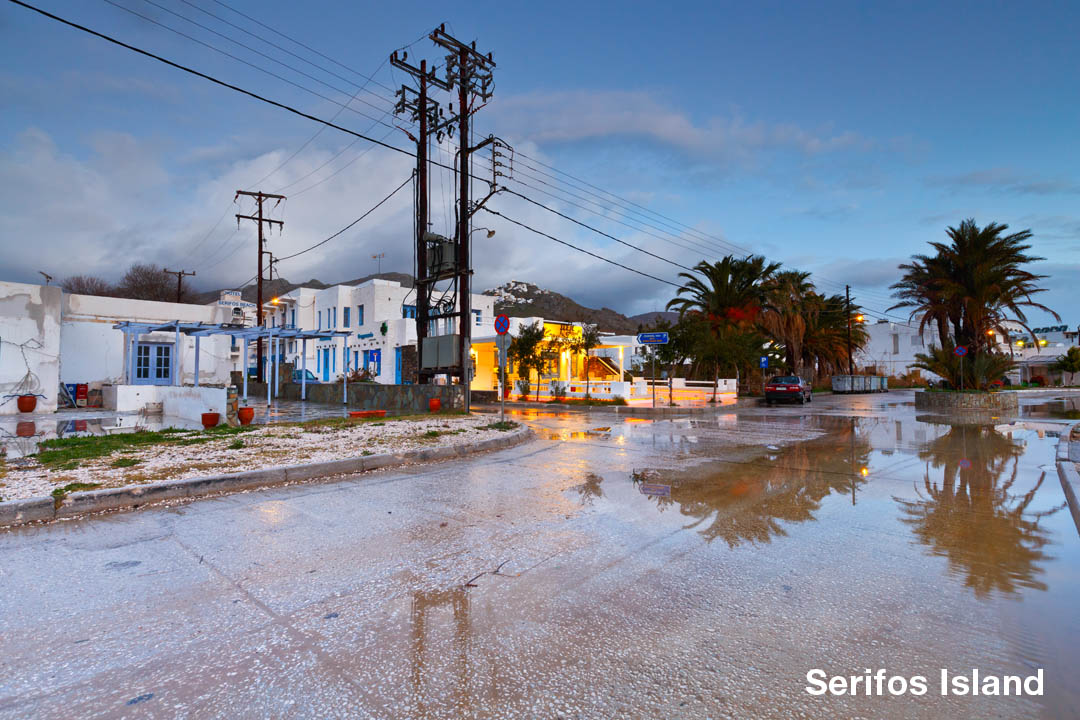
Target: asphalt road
(613,567)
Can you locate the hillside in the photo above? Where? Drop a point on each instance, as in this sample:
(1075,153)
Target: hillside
(522,299)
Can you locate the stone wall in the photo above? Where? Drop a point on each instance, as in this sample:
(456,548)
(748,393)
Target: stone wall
(925,400)
(372,396)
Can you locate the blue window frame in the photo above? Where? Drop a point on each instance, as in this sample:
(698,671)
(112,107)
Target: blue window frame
(333,362)
(359,315)
(345,317)
(320,321)
(408,311)
(476,315)
(292,315)
(153,364)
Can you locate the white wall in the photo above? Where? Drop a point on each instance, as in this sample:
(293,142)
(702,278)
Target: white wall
(29,317)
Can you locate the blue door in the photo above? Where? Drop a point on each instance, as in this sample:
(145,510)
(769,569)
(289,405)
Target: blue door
(397,365)
(326,364)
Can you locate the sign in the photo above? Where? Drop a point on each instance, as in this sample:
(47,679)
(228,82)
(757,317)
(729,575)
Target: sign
(502,324)
(503,343)
(764,362)
(965,464)
(655,490)
(961,350)
(655,338)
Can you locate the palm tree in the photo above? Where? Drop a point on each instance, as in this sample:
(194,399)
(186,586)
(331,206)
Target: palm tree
(784,317)
(972,285)
(728,295)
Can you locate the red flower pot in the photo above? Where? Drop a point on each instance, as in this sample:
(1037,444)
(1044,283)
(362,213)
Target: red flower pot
(25,429)
(245,415)
(434,404)
(210,420)
(26,403)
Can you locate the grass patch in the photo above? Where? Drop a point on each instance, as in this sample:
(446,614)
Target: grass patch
(501,425)
(236,444)
(61,492)
(60,451)
(366,452)
(432,434)
(125,462)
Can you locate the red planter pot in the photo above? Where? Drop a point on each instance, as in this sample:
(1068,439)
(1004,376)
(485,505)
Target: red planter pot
(25,429)
(210,420)
(26,403)
(434,404)
(245,415)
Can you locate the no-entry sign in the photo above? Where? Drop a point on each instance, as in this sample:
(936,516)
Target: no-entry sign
(502,324)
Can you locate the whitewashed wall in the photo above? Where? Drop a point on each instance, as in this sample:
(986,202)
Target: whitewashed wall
(29,317)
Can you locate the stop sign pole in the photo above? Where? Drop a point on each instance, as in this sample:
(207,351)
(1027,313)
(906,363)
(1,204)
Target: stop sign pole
(502,326)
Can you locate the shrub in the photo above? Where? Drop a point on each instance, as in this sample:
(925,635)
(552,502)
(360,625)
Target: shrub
(1038,380)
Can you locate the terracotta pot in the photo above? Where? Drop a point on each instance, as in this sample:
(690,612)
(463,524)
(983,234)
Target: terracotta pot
(210,420)
(26,403)
(245,415)
(434,404)
(25,429)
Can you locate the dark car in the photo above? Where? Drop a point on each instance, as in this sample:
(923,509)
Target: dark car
(788,388)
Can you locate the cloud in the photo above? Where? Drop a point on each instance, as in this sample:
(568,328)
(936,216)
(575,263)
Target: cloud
(571,116)
(1004,180)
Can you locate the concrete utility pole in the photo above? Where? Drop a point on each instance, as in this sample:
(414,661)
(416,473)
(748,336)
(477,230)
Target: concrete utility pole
(179,280)
(850,361)
(424,111)
(471,72)
(260,198)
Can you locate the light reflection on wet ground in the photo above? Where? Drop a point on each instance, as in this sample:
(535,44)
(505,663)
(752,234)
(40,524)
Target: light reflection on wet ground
(684,567)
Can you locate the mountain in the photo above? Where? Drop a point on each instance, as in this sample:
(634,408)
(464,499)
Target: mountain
(522,299)
(649,318)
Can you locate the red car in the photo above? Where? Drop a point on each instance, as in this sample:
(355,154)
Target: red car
(788,388)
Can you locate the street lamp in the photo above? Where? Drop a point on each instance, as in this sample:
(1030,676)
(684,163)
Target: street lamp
(490,232)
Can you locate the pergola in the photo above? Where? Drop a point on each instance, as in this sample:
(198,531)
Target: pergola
(274,335)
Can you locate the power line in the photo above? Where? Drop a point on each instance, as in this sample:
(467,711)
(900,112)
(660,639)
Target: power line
(575,247)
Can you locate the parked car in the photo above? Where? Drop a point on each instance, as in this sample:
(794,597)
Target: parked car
(788,388)
(311,379)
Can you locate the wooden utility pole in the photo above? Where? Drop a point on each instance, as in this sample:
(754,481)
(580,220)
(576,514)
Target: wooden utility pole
(179,280)
(850,361)
(260,198)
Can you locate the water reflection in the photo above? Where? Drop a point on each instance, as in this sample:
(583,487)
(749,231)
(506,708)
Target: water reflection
(747,501)
(977,515)
(440,656)
(590,489)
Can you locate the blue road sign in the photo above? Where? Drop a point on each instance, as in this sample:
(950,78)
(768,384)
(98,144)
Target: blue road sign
(657,338)
(961,350)
(502,324)
(764,361)
(655,490)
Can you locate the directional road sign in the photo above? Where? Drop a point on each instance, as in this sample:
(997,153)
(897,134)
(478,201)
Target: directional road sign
(655,338)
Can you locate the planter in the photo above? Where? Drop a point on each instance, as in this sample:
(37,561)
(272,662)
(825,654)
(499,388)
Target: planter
(245,415)
(925,400)
(25,429)
(26,403)
(367,413)
(210,419)
(434,404)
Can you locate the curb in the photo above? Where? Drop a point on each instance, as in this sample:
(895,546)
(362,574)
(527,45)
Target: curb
(617,409)
(1067,458)
(21,512)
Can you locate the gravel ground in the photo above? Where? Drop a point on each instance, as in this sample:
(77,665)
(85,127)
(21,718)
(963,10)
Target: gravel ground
(263,447)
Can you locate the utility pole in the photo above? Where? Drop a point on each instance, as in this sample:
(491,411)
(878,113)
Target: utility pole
(850,361)
(179,280)
(260,198)
(421,109)
(378,258)
(471,72)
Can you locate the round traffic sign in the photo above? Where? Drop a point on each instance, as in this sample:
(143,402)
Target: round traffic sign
(502,324)
(961,350)
(965,463)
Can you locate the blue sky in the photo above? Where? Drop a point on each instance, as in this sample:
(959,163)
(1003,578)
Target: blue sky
(839,138)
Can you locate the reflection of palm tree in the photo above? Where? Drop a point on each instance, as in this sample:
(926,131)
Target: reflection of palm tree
(985,531)
(746,502)
(590,489)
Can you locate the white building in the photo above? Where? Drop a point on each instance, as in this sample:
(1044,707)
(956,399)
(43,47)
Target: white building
(381,318)
(49,337)
(891,346)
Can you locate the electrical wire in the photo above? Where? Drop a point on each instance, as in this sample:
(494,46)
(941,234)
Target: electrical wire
(575,247)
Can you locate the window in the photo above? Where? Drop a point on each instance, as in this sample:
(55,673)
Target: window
(896,343)
(356,359)
(292,316)
(408,311)
(320,320)
(333,362)
(162,362)
(476,316)
(153,364)
(335,316)
(142,362)
(345,317)
(359,315)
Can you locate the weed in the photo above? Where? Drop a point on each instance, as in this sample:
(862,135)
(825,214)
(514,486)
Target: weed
(236,444)
(502,425)
(125,462)
(61,492)
(432,434)
(366,452)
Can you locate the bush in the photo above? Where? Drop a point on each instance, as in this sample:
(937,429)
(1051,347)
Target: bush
(1038,380)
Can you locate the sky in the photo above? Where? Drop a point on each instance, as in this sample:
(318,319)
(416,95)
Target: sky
(838,138)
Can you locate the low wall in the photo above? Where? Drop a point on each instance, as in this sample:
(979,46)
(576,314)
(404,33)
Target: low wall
(925,400)
(186,402)
(373,396)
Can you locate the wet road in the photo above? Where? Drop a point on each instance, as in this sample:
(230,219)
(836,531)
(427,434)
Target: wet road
(614,567)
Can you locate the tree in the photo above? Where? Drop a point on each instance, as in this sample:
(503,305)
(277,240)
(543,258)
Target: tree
(1068,363)
(88,285)
(147,281)
(526,350)
(784,318)
(583,344)
(974,372)
(972,285)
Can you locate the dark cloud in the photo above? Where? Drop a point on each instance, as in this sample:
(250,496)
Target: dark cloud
(1004,180)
